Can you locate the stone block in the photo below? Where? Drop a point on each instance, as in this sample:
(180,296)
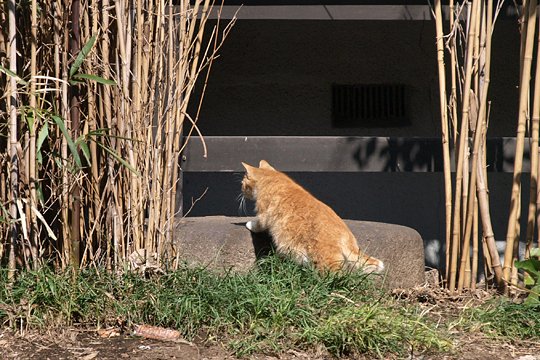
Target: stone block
(222,242)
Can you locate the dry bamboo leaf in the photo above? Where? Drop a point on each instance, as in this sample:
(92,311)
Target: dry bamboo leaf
(109,332)
(156,333)
(90,356)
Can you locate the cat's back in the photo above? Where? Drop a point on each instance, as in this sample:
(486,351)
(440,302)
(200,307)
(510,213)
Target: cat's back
(285,198)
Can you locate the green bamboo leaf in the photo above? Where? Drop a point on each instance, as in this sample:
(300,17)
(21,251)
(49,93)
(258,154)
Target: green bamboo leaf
(74,82)
(81,56)
(42,135)
(3,213)
(85,151)
(97,132)
(95,78)
(101,132)
(30,121)
(117,157)
(12,74)
(60,123)
(40,196)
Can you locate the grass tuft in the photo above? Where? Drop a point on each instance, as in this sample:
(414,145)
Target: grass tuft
(503,318)
(274,307)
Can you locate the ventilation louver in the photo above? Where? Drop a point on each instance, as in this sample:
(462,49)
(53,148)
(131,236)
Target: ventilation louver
(369,105)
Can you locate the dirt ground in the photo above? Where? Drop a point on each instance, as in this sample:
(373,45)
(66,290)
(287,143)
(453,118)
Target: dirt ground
(88,344)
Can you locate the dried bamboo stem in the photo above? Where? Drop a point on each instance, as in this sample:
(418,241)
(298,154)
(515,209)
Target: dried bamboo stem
(66,245)
(453,75)
(512,236)
(444,128)
(481,178)
(461,150)
(535,128)
(32,140)
(148,50)
(13,142)
(74,116)
(474,271)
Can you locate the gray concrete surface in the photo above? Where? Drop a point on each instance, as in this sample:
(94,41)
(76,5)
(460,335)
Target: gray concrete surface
(223,242)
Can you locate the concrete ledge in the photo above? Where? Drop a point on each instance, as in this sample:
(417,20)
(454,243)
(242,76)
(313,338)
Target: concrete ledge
(222,242)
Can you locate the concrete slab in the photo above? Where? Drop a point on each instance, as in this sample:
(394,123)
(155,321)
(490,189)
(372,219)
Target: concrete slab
(222,242)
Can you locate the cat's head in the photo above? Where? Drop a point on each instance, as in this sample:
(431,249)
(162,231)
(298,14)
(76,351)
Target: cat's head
(253,174)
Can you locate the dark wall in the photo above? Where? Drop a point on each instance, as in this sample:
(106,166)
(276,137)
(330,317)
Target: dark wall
(415,200)
(274,77)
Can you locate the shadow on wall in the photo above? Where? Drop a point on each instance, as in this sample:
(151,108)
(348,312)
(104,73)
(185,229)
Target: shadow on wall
(399,154)
(425,155)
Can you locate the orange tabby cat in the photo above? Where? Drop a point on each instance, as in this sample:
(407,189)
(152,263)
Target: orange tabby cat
(301,226)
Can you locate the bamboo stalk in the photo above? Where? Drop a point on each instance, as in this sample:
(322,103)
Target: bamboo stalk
(512,236)
(32,140)
(461,152)
(478,135)
(453,75)
(109,122)
(14,165)
(91,124)
(66,245)
(489,235)
(154,208)
(171,129)
(514,272)
(474,271)
(3,25)
(138,116)
(453,116)
(3,198)
(535,125)
(481,177)
(74,116)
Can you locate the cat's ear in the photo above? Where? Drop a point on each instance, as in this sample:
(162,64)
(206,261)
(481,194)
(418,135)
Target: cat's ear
(249,169)
(263,164)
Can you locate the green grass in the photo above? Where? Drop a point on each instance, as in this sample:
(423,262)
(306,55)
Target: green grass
(502,318)
(275,307)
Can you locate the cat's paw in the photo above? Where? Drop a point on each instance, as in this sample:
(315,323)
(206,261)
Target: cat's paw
(254,226)
(375,266)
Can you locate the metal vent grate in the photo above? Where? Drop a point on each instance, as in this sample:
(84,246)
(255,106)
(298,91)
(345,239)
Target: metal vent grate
(369,105)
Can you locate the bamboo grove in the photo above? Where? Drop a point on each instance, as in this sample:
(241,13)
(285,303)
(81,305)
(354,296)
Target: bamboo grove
(464,38)
(93,113)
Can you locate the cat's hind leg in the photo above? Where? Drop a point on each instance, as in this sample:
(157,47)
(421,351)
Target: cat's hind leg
(255,226)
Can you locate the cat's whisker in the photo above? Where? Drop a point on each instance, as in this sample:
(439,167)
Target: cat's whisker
(242,208)
(243,205)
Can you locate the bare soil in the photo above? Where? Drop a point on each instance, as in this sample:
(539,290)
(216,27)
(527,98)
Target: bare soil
(88,345)
(115,343)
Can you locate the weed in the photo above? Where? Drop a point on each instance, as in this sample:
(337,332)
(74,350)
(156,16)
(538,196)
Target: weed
(274,307)
(503,318)
(532,275)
